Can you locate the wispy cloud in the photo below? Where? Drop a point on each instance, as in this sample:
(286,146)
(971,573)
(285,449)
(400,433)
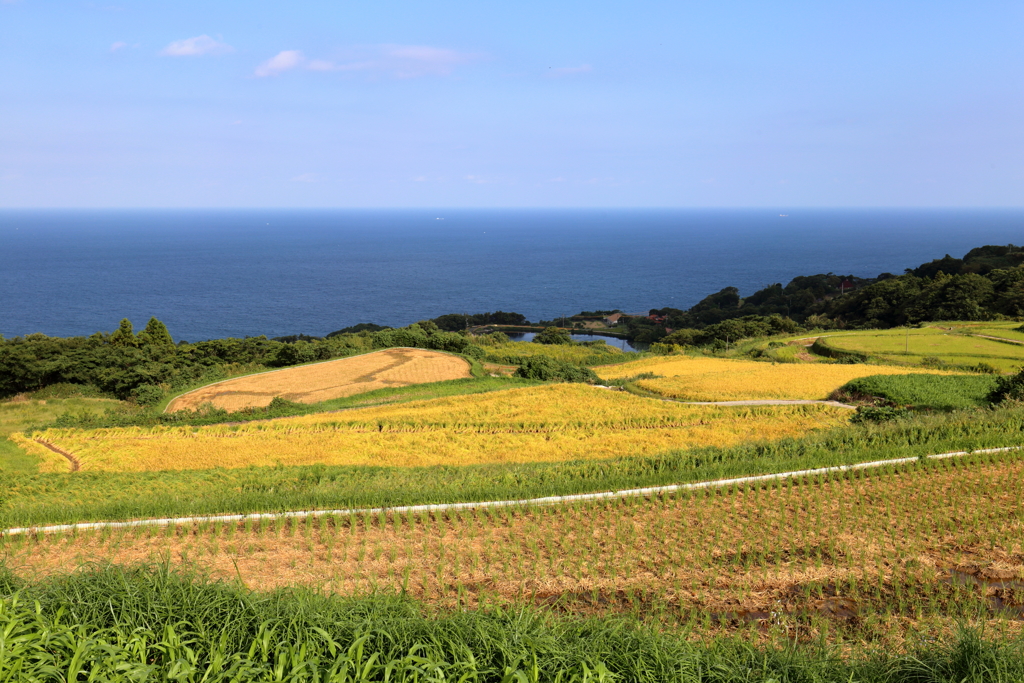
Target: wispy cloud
(397,61)
(286,60)
(569,71)
(193,47)
(118,46)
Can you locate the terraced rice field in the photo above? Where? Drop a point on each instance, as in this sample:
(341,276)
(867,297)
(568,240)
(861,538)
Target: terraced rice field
(331,379)
(915,345)
(534,424)
(721,379)
(873,555)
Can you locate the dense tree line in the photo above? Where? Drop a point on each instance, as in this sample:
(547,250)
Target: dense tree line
(987,283)
(142,366)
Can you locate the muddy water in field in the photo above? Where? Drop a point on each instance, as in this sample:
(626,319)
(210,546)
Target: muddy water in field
(1004,592)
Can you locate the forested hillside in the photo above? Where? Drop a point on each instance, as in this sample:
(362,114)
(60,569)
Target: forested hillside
(987,283)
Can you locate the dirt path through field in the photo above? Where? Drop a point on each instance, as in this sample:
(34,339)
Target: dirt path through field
(1002,339)
(75,464)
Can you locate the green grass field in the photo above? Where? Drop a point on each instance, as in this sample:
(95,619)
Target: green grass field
(1003,330)
(939,392)
(912,346)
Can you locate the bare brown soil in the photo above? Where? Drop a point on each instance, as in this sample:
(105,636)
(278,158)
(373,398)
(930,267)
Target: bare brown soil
(886,549)
(497,370)
(331,379)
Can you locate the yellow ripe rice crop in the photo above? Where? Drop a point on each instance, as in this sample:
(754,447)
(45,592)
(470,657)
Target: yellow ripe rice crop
(332,379)
(544,423)
(722,379)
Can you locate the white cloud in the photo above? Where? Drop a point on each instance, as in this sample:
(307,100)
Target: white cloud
(398,61)
(407,61)
(118,46)
(569,70)
(281,62)
(193,47)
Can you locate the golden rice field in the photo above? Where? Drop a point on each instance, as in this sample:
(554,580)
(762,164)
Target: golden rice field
(332,379)
(533,424)
(723,379)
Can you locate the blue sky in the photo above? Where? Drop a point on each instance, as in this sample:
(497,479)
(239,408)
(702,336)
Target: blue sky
(119,103)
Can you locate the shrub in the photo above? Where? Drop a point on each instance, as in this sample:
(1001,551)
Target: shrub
(548,369)
(147,394)
(1008,388)
(553,335)
(665,349)
(867,414)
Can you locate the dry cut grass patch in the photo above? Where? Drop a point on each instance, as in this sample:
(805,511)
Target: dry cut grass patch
(723,379)
(331,379)
(545,423)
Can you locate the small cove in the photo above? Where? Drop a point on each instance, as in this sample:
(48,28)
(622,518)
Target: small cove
(617,342)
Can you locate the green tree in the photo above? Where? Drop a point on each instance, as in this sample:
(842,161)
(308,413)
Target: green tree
(551,369)
(553,335)
(124,335)
(156,336)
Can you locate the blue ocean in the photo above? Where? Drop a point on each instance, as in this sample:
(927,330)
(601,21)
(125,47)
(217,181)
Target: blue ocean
(235,273)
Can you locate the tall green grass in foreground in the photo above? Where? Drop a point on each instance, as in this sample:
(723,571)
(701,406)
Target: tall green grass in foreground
(136,624)
(34,499)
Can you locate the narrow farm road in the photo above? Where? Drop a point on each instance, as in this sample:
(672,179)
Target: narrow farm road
(1002,339)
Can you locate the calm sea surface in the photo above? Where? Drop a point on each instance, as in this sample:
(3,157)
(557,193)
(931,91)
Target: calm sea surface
(249,272)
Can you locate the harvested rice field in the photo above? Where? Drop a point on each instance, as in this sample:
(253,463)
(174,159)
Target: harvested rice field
(721,379)
(397,367)
(532,424)
(871,555)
